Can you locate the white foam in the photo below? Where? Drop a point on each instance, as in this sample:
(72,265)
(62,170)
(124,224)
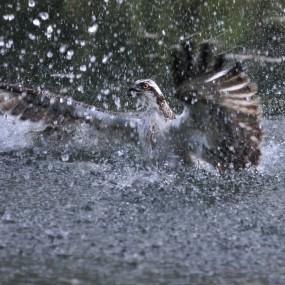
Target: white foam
(16,133)
(273,148)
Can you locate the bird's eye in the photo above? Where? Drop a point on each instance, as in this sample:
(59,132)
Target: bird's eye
(145,86)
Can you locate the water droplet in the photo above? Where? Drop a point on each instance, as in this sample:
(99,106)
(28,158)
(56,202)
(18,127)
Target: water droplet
(36,22)
(83,68)
(49,29)
(70,54)
(32,37)
(69,101)
(31,3)
(106,91)
(49,54)
(9,43)
(122,49)
(117,102)
(92,58)
(105,59)
(9,17)
(44,15)
(80,88)
(65,157)
(93,29)
(62,49)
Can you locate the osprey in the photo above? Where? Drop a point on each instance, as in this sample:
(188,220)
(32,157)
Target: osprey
(220,123)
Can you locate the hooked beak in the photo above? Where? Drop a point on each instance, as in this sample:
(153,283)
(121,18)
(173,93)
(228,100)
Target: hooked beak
(133,90)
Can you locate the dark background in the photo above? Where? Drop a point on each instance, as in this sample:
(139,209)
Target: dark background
(132,41)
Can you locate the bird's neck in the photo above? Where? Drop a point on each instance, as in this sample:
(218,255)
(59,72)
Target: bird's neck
(165,109)
(157,105)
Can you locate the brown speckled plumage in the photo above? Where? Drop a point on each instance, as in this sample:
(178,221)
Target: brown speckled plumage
(165,109)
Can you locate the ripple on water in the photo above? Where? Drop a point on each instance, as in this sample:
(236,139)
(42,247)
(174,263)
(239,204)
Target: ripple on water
(105,216)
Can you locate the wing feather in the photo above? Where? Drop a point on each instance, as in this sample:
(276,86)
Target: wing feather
(221,105)
(40,105)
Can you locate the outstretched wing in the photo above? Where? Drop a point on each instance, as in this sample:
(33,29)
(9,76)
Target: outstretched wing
(51,109)
(222,118)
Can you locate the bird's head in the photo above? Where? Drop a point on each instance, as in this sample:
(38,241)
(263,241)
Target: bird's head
(148,93)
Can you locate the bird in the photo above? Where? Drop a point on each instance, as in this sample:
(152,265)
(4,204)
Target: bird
(220,122)
(156,113)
